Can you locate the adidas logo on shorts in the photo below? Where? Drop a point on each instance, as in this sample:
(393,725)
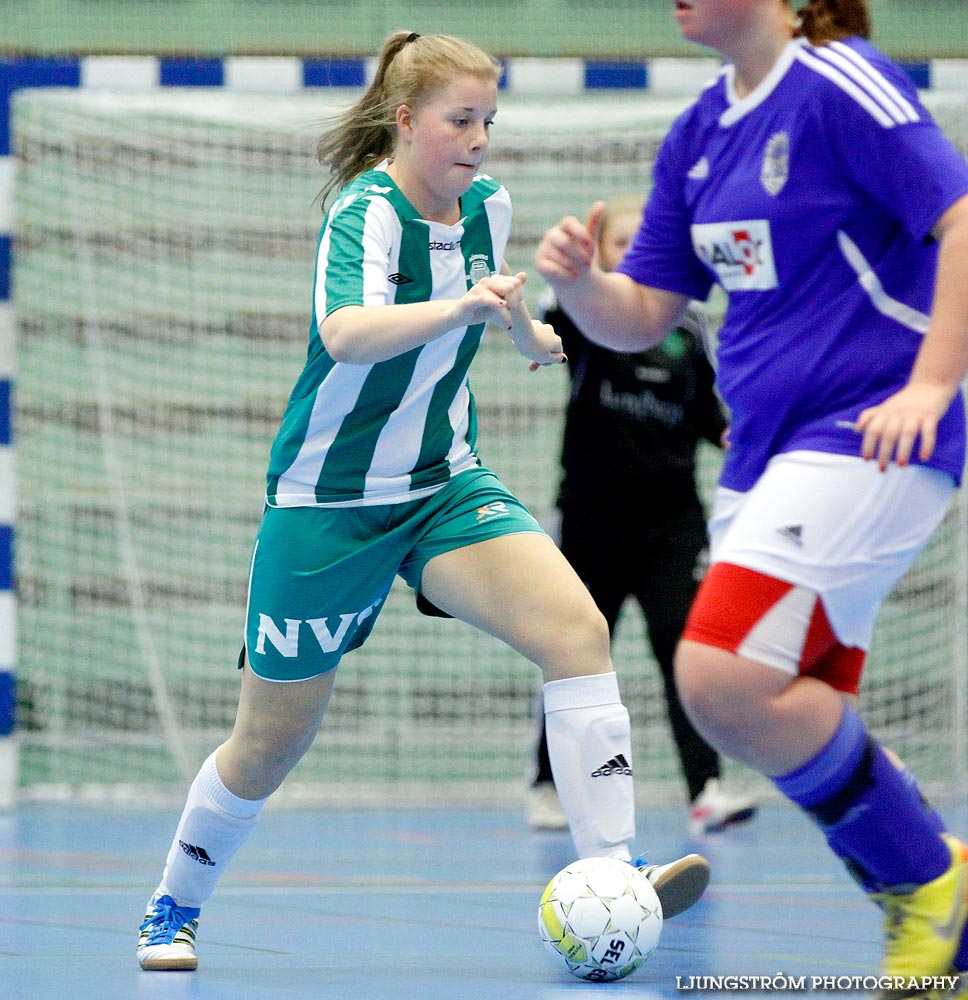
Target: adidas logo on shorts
(792,533)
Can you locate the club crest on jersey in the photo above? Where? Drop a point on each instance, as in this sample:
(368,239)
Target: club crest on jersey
(776,163)
(480,267)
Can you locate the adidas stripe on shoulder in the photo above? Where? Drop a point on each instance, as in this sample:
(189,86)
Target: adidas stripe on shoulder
(862,81)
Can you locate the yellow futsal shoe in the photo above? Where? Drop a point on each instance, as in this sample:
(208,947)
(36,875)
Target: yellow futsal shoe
(923,928)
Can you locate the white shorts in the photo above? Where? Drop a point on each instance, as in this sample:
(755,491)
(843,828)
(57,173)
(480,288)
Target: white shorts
(835,525)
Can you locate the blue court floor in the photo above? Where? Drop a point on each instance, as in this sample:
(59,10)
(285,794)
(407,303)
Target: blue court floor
(429,904)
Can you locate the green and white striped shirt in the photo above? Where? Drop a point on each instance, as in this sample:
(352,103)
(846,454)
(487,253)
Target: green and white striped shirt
(398,429)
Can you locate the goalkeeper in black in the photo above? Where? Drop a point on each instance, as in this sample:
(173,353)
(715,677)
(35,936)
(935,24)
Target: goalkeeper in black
(632,523)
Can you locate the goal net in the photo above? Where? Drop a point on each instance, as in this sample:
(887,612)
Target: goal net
(163,269)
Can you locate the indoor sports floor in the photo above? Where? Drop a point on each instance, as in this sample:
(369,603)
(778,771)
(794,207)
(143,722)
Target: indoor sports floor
(432,904)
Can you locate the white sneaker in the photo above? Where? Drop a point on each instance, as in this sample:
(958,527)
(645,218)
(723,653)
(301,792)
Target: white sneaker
(679,883)
(544,810)
(167,939)
(714,809)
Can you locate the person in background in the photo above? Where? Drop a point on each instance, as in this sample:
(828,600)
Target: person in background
(374,473)
(812,184)
(631,520)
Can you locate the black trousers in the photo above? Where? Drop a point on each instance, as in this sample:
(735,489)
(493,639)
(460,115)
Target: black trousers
(657,563)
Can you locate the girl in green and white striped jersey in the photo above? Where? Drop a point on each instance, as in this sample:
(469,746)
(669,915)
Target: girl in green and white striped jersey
(383,412)
(375,473)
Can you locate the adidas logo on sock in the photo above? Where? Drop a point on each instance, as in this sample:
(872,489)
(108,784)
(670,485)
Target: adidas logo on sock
(198,854)
(617,765)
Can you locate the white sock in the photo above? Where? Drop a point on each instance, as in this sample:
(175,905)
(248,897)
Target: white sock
(590,746)
(213,826)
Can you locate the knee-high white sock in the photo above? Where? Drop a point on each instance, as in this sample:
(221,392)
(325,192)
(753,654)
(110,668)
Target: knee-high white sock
(589,743)
(213,826)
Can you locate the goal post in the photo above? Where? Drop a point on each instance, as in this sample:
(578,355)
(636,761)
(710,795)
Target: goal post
(164,254)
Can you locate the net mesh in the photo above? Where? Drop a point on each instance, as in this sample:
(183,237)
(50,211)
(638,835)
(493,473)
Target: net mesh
(163,269)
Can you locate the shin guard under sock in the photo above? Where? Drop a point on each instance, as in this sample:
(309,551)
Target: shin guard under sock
(213,825)
(871,812)
(589,743)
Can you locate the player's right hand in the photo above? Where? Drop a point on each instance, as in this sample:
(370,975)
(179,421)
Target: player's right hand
(906,419)
(491,300)
(567,250)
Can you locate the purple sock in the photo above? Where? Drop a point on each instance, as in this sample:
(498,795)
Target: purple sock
(872,814)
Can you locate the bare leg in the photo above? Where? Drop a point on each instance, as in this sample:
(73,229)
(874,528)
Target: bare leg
(522,590)
(756,714)
(274,726)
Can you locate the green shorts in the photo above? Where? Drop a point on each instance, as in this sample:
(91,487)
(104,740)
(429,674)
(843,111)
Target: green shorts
(319,575)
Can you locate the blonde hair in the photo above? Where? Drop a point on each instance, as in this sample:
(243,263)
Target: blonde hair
(823,21)
(410,70)
(621,204)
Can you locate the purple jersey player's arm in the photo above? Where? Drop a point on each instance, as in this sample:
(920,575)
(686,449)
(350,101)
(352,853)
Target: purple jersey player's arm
(610,308)
(892,428)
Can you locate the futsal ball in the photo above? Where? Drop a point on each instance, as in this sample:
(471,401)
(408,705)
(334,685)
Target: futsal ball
(600,918)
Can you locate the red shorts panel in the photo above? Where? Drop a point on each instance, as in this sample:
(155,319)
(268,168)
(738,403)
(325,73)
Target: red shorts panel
(732,605)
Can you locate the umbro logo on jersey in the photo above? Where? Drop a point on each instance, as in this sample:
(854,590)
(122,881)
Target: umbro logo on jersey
(399,279)
(617,765)
(699,170)
(198,854)
(792,533)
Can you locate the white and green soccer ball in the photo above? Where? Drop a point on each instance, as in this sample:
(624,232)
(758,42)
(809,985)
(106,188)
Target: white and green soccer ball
(600,918)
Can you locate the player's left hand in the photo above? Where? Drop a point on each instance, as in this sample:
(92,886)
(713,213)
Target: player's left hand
(545,347)
(891,429)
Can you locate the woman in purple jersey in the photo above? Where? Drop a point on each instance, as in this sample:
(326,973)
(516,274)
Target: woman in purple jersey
(809,181)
